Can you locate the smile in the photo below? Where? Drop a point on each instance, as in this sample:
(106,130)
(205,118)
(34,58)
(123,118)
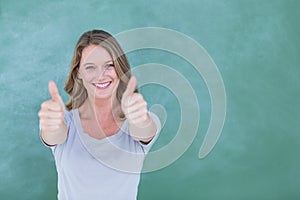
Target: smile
(103,85)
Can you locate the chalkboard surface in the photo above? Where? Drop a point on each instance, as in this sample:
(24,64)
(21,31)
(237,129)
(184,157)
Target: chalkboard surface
(254,43)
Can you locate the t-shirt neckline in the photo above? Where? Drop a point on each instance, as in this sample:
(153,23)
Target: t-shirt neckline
(111,138)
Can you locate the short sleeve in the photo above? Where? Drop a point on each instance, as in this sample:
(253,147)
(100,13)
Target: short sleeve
(157,122)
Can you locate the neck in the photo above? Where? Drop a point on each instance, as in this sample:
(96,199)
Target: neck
(101,108)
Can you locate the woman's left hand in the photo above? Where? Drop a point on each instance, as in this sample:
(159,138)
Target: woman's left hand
(134,106)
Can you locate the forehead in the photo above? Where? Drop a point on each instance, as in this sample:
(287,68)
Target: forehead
(95,53)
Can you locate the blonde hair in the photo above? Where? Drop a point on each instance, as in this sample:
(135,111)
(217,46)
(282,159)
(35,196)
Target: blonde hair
(74,86)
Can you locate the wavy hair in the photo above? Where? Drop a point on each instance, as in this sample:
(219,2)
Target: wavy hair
(74,86)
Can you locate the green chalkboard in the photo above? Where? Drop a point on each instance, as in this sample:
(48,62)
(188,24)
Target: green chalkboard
(254,43)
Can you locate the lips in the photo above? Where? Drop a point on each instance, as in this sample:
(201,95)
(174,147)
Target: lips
(102,85)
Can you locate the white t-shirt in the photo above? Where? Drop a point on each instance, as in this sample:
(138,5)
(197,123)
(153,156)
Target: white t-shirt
(92,169)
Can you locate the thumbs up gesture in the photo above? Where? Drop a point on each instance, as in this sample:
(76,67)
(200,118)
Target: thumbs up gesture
(51,117)
(141,126)
(134,106)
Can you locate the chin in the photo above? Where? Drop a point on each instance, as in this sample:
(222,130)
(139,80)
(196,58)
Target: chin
(104,93)
(102,96)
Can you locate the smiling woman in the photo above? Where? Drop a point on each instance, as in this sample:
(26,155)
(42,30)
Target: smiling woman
(97,73)
(88,47)
(100,141)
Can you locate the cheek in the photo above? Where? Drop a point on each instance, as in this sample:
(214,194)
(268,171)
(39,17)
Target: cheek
(86,80)
(113,74)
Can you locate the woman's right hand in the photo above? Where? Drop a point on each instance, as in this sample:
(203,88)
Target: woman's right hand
(51,114)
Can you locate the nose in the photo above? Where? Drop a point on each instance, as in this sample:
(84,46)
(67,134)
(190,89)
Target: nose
(100,72)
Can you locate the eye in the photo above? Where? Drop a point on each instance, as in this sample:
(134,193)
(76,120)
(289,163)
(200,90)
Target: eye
(111,65)
(90,67)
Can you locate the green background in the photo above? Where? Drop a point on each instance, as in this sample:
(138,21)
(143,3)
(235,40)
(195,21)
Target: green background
(254,43)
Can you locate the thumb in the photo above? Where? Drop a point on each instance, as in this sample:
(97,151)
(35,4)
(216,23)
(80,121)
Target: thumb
(54,93)
(131,86)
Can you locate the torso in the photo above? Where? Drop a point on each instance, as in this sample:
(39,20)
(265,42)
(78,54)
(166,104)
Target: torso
(82,168)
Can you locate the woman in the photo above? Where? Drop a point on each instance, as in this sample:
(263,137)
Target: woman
(100,141)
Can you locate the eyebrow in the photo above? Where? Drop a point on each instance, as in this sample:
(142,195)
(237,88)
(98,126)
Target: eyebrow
(94,63)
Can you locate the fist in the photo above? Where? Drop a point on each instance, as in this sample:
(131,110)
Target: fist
(51,113)
(134,106)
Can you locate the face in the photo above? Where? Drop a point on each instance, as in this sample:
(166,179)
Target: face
(98,73)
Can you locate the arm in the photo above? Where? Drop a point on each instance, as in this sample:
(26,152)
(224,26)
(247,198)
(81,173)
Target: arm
(141,126)
(53,129)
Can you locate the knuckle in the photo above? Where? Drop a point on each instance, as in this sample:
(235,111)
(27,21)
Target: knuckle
(135,96)
(43,105)
(139,96)
(40,113)
(145,103)
(42,118)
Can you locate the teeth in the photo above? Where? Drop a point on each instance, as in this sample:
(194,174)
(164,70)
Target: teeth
(102,85)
